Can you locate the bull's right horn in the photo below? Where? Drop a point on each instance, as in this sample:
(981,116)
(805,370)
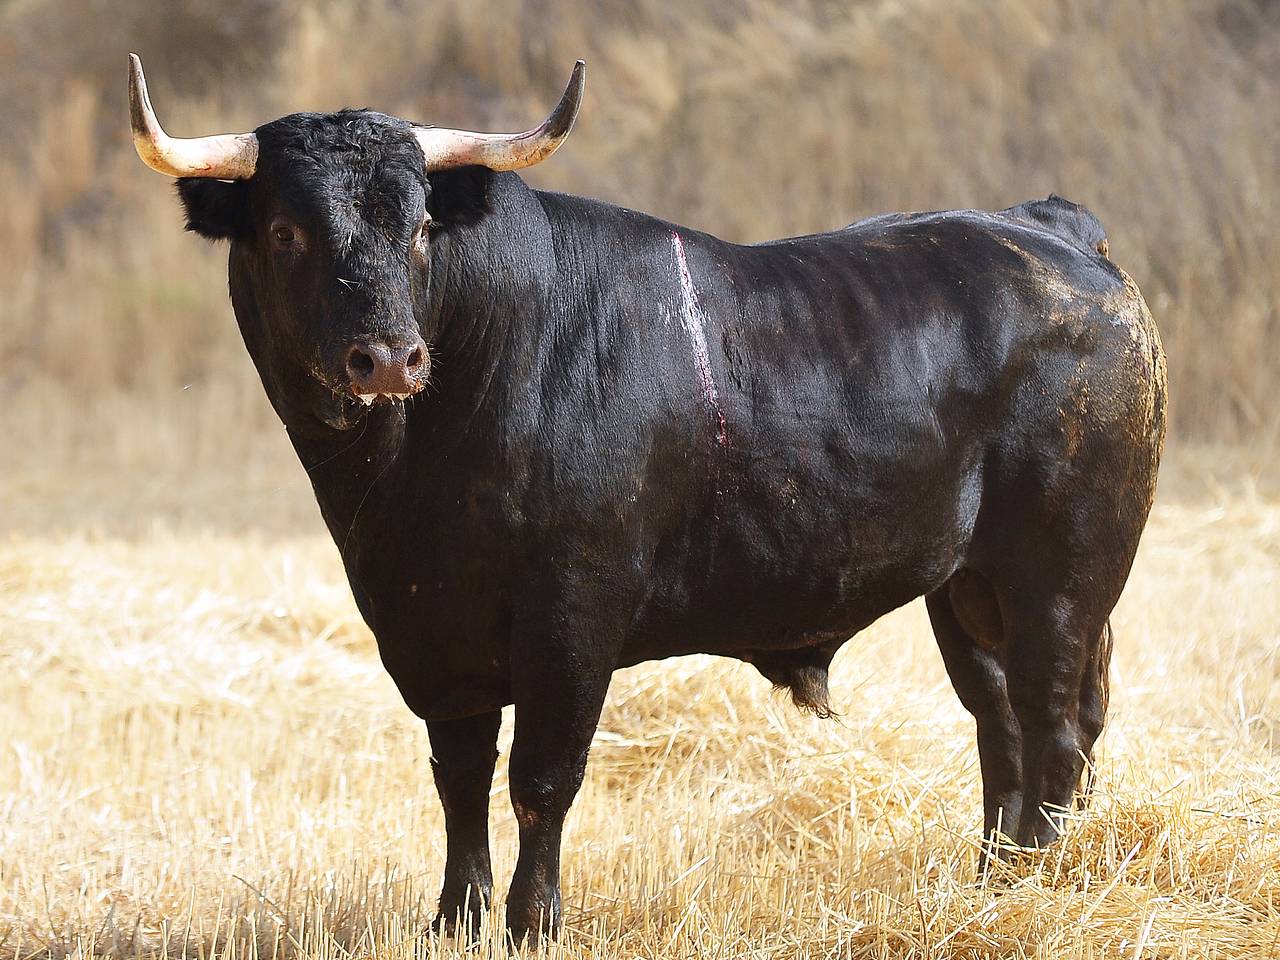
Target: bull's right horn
(227,156)
(443,149)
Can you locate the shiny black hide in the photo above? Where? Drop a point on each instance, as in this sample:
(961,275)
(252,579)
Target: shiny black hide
(642,441)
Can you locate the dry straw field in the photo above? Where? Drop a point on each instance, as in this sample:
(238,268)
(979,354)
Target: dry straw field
(204,757)
(200,754)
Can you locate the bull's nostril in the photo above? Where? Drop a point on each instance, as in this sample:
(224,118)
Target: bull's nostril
(414,360)
(360,364)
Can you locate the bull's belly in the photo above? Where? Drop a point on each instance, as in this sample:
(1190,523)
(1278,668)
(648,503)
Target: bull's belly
(774,572)
(809,603)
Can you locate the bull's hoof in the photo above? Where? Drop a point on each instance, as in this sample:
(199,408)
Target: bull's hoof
(533,910)
(525,930)
(1003,861)
(460,921)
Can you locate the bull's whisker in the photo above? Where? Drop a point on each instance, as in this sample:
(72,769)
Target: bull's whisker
(364,429)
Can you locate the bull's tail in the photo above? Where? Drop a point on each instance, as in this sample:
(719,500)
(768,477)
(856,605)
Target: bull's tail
(1099,682)
(1105,645)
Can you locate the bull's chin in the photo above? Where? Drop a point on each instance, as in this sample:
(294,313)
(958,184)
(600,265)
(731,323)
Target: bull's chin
(341,411)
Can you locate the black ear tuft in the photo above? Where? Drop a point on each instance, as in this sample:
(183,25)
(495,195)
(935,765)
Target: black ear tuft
(216,209)
(459,197)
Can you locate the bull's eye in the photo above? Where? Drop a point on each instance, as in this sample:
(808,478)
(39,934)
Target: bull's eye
(420,235)
(285,235)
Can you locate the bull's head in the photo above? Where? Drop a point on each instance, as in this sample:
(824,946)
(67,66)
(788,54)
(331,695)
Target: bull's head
(329,215)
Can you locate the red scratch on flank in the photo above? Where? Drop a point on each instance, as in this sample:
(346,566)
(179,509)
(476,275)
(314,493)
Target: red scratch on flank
(695,321)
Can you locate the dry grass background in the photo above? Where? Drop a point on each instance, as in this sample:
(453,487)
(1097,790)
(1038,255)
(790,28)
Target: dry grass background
(751,118)
(199,752)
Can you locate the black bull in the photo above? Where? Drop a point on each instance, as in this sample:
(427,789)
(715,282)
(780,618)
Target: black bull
(642,441)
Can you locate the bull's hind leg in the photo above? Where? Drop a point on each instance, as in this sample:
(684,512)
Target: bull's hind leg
(967,623)
(1052,639)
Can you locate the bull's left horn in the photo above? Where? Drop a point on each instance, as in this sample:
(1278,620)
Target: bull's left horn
(444,149)
(227,156)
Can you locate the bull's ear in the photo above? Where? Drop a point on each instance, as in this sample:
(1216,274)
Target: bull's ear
(459,196)
(216,209)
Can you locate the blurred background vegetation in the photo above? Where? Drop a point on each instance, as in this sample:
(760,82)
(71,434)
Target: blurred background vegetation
(749,118)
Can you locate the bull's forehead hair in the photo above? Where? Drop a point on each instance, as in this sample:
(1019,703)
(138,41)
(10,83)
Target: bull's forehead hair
(330,167)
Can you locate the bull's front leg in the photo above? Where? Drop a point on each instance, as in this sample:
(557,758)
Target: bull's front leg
(462,759)
(557,708)
(570,629)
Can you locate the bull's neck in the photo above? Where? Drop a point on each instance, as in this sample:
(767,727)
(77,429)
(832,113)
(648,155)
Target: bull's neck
(351,471)
(493,305)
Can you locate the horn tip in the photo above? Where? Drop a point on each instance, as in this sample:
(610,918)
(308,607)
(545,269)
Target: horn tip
(138,100)
(137,80)
(561,120)
(577,81)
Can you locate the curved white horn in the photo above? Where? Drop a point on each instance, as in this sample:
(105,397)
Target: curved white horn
(227,156)
(444,149)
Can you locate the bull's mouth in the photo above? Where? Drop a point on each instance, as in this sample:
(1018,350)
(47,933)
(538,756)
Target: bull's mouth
(370,399)
(345,409)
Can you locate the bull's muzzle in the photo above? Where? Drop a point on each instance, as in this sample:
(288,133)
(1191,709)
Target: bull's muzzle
(377,369)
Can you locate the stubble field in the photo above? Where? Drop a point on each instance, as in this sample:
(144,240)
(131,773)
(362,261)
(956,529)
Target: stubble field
(200,755)
(203,757)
